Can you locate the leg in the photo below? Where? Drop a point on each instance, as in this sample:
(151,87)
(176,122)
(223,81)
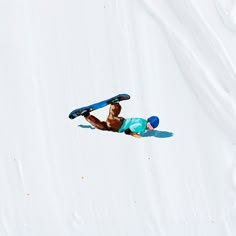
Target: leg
(94,121)
(114,111)
(113,121)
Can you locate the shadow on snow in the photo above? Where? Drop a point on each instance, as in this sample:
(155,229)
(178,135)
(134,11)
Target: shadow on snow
(157,134)
(86,126)
(149,133)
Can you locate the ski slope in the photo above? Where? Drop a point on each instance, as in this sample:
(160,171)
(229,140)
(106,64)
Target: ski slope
(176,59)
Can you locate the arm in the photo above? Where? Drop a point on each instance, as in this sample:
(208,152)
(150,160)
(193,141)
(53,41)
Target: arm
(129,132)
(135,135)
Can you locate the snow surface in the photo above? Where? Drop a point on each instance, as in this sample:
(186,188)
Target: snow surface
(177,60)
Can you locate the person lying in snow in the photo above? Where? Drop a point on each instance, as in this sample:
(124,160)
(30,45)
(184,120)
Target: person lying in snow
(115,123)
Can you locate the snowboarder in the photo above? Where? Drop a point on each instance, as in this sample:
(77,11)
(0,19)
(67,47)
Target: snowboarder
(115,123)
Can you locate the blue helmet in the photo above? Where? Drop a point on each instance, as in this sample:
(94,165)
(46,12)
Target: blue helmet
(154,121)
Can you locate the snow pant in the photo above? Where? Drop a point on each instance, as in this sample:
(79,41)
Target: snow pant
(113,122)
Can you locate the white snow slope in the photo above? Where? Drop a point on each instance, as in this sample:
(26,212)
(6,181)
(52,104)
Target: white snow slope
(177,60)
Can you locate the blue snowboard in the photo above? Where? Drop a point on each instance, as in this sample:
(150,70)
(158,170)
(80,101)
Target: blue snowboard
(83,110)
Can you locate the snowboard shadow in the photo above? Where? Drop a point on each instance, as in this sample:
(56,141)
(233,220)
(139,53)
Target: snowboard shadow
(86,126)
(157,134)
(149,133)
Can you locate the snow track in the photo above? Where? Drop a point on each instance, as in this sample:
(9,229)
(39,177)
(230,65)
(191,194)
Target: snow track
(177,60)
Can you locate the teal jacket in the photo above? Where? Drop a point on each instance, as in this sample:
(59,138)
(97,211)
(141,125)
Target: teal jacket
(136,125)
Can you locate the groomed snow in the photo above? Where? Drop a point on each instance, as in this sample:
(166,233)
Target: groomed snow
(176,59)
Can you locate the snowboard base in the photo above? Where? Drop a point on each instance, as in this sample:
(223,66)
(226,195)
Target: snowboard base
(95,106)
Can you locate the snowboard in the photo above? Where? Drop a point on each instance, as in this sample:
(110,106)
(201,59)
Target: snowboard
(95,106)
